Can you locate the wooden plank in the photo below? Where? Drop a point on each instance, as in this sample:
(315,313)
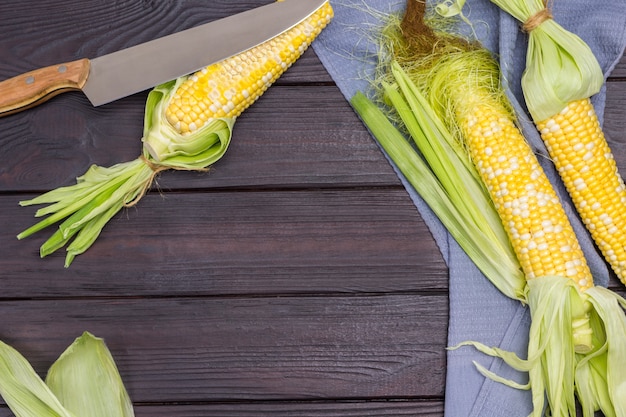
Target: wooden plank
(280,141)
(358,240)
(172,350)
(620,69)
(395,408)
(615,122)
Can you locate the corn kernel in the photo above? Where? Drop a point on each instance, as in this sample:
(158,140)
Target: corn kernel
(531,211)
(227,88)
(589,172)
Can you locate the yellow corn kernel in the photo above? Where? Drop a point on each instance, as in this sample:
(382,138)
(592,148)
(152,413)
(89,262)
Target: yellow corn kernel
(582,156)
(531,212)
(227,88)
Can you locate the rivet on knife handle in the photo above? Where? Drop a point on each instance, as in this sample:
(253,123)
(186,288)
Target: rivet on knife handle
(34,87)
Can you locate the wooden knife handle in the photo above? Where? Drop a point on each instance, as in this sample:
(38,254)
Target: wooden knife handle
(34,87)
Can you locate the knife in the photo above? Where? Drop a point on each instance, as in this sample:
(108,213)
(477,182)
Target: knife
(138,68)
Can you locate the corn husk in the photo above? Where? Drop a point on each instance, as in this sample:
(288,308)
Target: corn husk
(23,390)
(169,148)
(440,171)
(560,66)
(87,382)
(84,381)
(83,209)
(559,374)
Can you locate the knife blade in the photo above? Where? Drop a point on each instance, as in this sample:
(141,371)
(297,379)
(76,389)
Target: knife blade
(119,74)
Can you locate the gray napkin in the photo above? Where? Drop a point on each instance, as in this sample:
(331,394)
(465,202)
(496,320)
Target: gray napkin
(478,311)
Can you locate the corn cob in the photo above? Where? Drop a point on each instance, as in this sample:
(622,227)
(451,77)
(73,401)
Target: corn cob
(227,88)
(188,126)
(585,163)
(540,232)
(557,91)
(461,79)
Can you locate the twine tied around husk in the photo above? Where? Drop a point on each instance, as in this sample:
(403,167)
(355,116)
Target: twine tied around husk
(537,19)
(156,168)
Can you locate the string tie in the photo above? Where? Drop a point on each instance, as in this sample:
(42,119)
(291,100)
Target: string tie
(156,168)
(537,19)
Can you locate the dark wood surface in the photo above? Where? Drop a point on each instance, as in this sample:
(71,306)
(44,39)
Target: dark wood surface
(296,278)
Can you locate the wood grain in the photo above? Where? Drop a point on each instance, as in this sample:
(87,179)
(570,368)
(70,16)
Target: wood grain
(353,408)
(40,85)
(326,146)
(194,349)
(271,242)
(305,409)
(296,278)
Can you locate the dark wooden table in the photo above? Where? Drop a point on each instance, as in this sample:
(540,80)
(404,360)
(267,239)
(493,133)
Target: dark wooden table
(294,279)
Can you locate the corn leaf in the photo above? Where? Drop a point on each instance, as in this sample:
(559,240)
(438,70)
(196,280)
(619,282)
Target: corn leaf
(170,148)
(23,390)
(560,66)
(448,160)
(556,371)
(87,382)
(83,209)
(601,378)
(499,267)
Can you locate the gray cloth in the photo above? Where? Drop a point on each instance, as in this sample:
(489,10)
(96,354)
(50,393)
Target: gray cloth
(478,311)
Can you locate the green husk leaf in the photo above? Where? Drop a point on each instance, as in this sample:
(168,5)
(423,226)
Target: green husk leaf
(23,390)
(167,147)
(88,234)
(83,209)
(499,266)
(557,372)
(87,190)
(560,66)
(96,197)
(495,377)
(450,8)
(601,377)
(87,382)
(448,160)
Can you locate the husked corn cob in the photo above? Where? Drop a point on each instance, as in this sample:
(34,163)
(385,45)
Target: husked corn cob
(533,216)
(581,154)
(462,81)
(466,84)
(570,73)
(228,87)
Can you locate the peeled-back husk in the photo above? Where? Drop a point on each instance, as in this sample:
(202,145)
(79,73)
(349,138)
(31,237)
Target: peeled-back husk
(83,209)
